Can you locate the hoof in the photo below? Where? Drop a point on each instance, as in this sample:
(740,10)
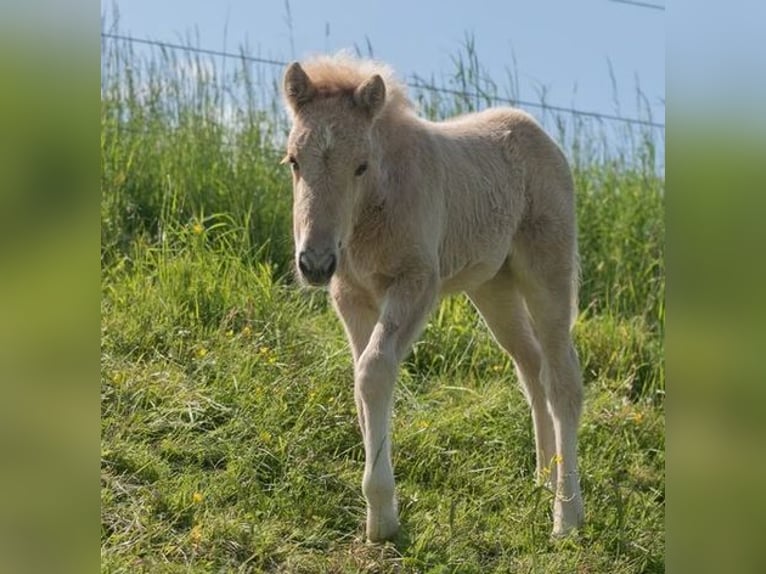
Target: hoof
(382,530)
(567,519)
(561,532)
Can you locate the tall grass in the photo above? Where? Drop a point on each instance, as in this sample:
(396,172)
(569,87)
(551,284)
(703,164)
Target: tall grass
(229,438)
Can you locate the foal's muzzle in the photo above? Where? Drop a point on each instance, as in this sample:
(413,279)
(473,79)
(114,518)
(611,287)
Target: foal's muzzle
(317,269)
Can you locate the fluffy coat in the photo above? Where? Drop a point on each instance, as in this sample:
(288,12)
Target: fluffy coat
(394,211)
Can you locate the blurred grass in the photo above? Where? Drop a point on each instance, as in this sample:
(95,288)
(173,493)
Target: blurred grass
(48,196)
(228,431)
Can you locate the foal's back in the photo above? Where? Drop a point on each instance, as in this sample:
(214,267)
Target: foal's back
(501,175)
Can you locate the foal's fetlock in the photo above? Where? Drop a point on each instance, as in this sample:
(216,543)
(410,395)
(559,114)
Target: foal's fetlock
(382,513)
(382,525)
(568,515)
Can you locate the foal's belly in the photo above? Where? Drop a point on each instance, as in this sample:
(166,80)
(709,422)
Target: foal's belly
(470,277)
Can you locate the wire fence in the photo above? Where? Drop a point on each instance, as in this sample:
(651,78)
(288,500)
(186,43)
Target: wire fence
(640,4)
(418,85)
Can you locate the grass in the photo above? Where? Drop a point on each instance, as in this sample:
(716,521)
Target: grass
(229,439)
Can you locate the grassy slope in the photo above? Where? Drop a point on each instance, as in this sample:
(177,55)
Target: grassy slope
(229,437)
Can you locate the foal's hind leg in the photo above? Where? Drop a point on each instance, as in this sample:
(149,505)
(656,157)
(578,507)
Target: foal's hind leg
(502,307)
(548,293)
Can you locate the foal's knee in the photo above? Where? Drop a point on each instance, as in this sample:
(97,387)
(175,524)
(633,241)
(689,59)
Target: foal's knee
(375,376)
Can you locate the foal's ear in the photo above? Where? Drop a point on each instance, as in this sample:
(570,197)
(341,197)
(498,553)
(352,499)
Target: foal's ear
(297,86)
(371,95)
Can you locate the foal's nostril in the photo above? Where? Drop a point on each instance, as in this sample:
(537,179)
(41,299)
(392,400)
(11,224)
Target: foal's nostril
(332,265)
(303,264)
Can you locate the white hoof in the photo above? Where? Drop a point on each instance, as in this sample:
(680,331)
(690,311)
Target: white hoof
(567,516)
(382,527)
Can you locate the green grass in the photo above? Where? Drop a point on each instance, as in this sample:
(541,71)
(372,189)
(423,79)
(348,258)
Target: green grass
(229,437)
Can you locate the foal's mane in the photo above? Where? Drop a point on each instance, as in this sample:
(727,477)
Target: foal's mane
(342,73)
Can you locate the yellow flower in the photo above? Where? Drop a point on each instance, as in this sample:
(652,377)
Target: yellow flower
(230,333)
(265,437)
(197,228)
(201,352)
(558,459)
(637,417)
(196,533)
(268,355)
(198,497)
(423,424)
(246,331)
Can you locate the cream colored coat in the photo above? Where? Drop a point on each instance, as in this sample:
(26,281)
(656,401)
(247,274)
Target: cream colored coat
(394,211)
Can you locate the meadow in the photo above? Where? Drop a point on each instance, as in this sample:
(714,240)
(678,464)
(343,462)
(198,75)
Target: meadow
(229,439)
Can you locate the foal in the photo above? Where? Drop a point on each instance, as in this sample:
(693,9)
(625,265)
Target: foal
(393,211)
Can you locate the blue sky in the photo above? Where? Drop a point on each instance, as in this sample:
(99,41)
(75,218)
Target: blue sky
(560,46)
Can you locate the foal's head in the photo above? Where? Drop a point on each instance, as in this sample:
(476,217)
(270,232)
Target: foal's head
(328,151)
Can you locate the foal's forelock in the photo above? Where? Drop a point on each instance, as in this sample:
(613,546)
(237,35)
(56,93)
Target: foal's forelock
(325,139)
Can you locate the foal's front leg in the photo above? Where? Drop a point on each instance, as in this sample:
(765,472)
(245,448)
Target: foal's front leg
(359,313)
(405,308)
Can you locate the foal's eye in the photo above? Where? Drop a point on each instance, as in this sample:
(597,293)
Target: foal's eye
(293,163)
(361,169)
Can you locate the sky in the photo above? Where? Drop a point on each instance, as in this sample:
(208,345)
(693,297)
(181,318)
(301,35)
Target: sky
(591,55)
(560,47)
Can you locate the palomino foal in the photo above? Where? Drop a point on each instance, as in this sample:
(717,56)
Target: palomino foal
(393,211)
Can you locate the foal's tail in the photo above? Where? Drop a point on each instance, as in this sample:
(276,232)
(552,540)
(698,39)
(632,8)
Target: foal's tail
(574,303)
